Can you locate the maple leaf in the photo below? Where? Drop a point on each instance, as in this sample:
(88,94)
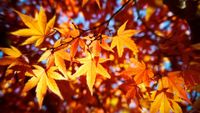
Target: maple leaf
(104,45)
(149,11)
(13,52)
(74,46)
(175,84)
(68,30)
(191,75)
(123,38)
(70,34)
(38,28)
(141,73)
(164,104)
(161,102)
(57,57)
(14,57)
(132,91)
(165,99)
(43,79)
(90,68)
(97,1)
(97,45)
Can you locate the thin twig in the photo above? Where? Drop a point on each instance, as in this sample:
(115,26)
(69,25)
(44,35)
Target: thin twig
(108,21)
(82,31)
(143,22)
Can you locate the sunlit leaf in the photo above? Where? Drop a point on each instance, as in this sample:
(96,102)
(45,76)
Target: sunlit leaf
(38,29)
(123,39)
(43,79)
(90,69)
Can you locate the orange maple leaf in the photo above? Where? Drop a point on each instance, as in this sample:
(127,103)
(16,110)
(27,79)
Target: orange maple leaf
(70,35)
(191,75)
(74,46)
(175,84)
(97,45)
(149,11)
(140,72)
(168,94)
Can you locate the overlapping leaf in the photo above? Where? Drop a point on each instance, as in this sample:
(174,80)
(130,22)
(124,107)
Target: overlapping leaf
(58,58)
(170,89)
(164,104)
(140,72)
(97,45)
(71,36)
(175,84)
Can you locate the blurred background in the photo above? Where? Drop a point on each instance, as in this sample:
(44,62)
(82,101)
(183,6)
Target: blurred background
(169,38)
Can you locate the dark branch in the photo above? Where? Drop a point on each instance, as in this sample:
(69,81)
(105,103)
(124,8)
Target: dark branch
(82,31)
(144,23)
(108,21)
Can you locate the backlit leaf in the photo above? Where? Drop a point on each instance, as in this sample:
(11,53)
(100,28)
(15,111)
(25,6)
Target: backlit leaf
(90,69)
(38,29)
(123,39)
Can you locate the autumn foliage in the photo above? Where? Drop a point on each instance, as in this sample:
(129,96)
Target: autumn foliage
(99,56)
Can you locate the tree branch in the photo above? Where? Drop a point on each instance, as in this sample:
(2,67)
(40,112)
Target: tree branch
(82,31)
(143,22)
(108,21)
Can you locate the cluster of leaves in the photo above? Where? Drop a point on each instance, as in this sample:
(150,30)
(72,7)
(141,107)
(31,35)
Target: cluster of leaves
(101,58)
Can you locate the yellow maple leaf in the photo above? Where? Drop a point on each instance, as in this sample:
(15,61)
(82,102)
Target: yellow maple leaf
(123,38)
(57,57)
(90,68)
(43,79)
(12,52)
(164,104)
(38,29)
(13,57)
